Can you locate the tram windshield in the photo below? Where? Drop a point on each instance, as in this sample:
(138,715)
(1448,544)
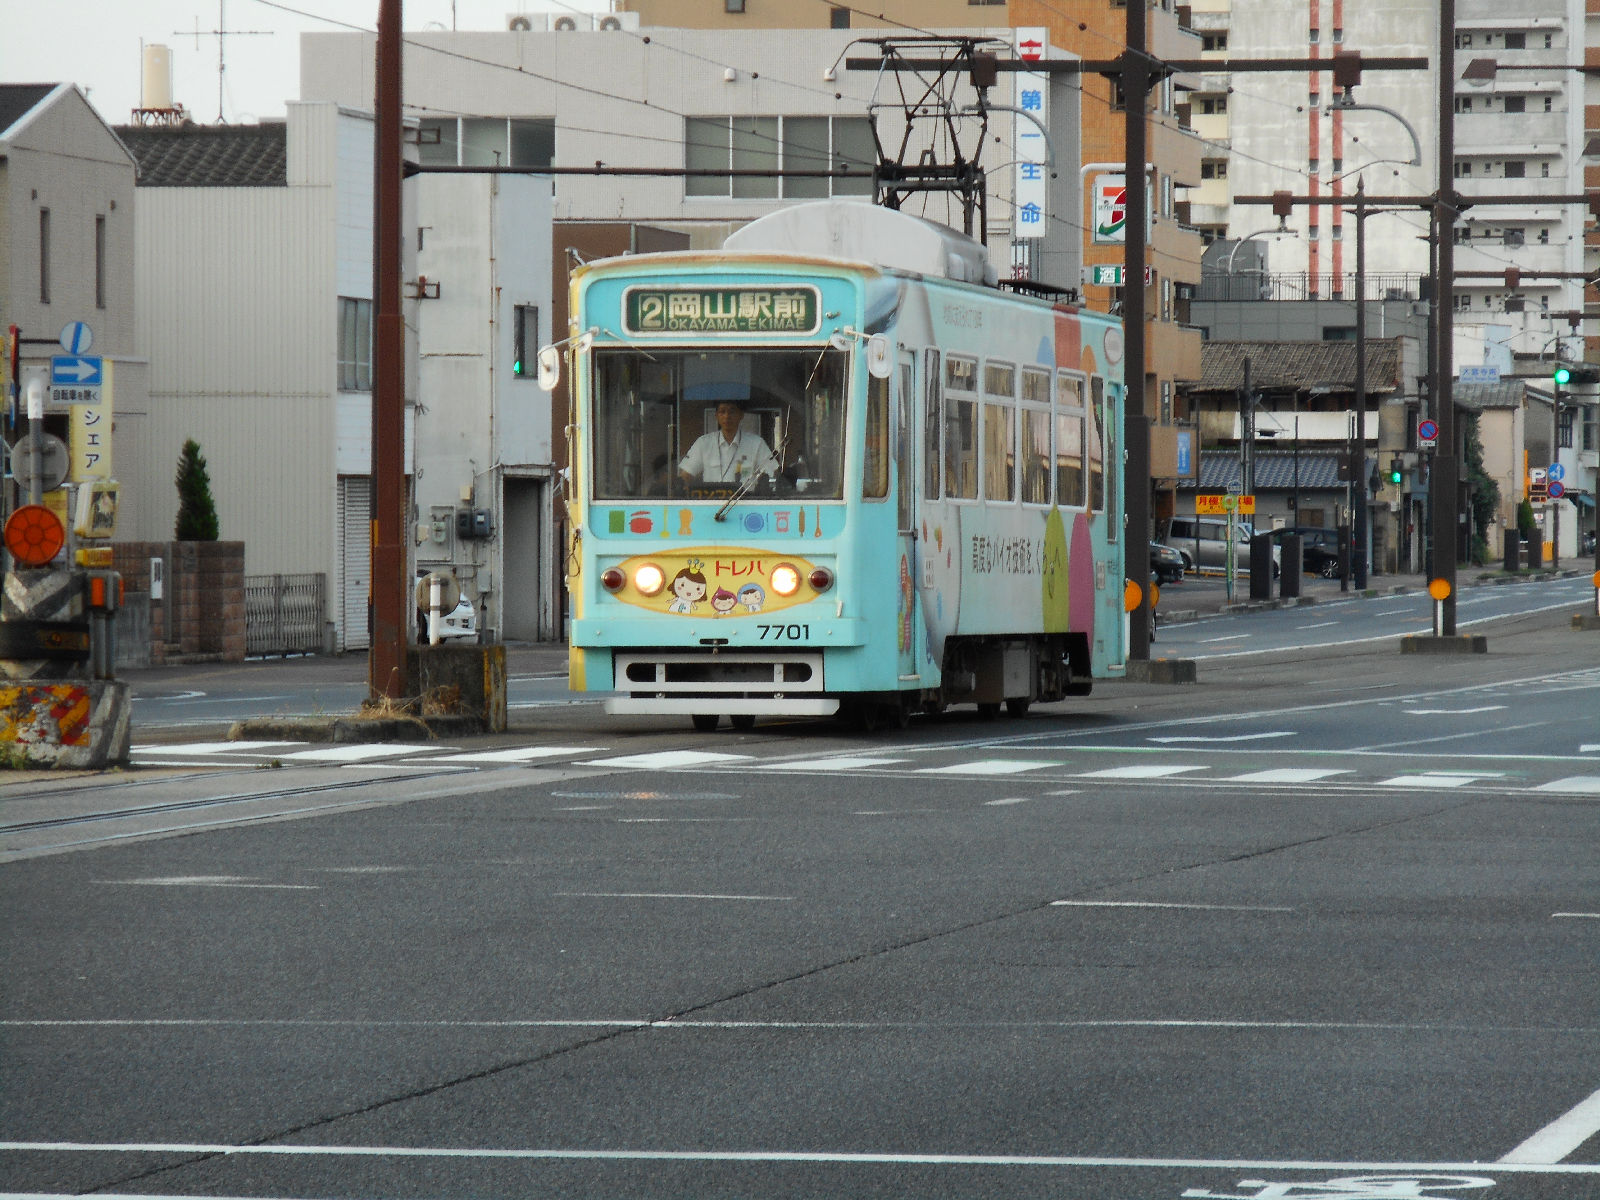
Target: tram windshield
(702,424)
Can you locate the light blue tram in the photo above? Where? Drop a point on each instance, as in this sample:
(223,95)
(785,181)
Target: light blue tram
(833,469)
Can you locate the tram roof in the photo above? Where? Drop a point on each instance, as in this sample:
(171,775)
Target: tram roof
(857,231)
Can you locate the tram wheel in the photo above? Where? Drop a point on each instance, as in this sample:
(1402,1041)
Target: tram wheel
(743,722)
(900,713)
(705,722)
(1017,707)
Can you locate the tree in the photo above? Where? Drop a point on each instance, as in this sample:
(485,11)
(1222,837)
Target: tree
(1483,489)
(197,515)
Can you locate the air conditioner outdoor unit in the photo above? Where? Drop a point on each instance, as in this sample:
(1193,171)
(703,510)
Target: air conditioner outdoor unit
(617,21)
(562,22)
(519,22)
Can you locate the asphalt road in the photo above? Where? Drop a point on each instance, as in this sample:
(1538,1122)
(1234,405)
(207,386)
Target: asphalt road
(1325,925)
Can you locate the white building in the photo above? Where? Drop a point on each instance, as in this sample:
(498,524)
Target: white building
(255,280)
(67,255)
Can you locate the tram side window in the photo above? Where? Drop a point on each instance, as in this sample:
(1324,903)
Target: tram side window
(1034,418)
(1069,441)
(930,428)
(1097,443)
(875,469)
(999,431)
(960,428)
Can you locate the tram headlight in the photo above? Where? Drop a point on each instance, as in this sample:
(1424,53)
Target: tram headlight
(785,579)
(820,579)
(649,579)
(613,579)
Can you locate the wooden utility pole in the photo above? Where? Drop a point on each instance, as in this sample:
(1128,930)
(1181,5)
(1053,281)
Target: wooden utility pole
(386,669)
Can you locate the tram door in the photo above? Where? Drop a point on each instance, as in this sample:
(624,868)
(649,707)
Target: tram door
(905,484)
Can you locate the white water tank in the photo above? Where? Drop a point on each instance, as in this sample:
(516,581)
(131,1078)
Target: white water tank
(156,88)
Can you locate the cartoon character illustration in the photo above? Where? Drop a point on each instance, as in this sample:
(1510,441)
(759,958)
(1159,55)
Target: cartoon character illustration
(688,589)
(722,601)
(753,596)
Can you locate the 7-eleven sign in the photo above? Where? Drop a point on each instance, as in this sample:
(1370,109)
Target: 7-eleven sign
(1110,226)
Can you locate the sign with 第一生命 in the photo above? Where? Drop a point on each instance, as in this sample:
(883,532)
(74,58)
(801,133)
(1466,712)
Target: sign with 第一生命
(720,310)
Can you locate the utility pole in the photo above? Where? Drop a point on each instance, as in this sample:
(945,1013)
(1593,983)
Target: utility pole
(1137,80)
(1362,536)
(386,664)
(1443,478)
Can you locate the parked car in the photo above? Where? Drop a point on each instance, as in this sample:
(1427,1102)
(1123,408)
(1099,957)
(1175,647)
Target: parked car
(1319,548)
(1203,541)
(1166,564)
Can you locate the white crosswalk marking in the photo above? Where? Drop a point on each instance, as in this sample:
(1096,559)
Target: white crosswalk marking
(518,755)
(1285,775)
(211,747)
(1150,771)
(988,766)
(842,763)
(352,754)
(1437,779)
(1581,785)
(666,759)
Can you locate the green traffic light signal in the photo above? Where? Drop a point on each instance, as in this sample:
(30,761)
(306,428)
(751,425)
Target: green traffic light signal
(516,367)
(1561,375)
(1396,476)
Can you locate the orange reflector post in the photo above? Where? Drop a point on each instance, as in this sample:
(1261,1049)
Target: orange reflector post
(1439,589)
(1132,595)
(97,591)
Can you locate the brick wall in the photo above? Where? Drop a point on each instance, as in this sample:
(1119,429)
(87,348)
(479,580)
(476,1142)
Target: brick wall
(200,616)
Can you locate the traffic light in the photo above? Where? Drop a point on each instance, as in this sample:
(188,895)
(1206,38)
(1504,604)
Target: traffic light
(1561,376)
(1397,471)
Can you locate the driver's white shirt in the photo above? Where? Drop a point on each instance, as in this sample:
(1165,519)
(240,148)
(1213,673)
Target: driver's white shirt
(714,459)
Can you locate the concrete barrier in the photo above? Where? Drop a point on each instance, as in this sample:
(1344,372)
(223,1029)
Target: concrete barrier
(62,723)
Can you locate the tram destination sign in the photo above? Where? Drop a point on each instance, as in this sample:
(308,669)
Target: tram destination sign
(721,310)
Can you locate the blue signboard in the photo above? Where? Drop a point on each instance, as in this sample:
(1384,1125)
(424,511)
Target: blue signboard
(78,370)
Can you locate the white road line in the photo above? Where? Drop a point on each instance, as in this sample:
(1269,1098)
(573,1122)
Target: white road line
(666,759)
(226,881)
(1589,747)
(1318,625)
(1154,771)
(1159,904)
(1586,916)
(1581,785)
(988,766)
(1451,712)
(665,896)
(1562,1136)
(1285,775)
(797,1156)
(1007,800)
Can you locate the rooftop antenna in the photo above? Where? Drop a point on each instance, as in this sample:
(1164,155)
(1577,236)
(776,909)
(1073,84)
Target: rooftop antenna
(221,33)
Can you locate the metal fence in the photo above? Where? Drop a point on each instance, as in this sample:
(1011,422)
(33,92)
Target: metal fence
(284,614)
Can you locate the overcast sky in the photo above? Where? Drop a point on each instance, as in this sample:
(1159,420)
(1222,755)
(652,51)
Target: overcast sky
(96,44)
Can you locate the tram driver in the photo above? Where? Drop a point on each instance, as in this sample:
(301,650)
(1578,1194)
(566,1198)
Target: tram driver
(728,454)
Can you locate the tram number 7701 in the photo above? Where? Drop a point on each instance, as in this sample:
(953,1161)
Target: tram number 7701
(785,633)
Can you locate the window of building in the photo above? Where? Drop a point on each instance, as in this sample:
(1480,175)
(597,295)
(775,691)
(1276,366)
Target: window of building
(1213,41)
(1462,301)
(1516,169)
(733,6)
(1463,167)
(1338,36)
(1516,41)
(1516,104)
(1314,35)
(524,340)
(839,18)
(1463,41)
(1214,169)
(1314,165)
(1463,104)
(99,262)
(1549,103)
(355,345)
(1214,104)
(775,144)
(44,256)
(487,142)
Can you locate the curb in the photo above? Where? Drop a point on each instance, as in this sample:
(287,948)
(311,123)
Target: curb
(352,730)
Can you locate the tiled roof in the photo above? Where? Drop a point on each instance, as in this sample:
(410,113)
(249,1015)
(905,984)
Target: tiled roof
(17,99)
(209,155)
(1275,471)
(1507,393)
(1298,365)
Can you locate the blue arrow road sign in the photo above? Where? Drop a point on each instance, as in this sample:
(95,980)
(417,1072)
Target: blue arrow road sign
(1557,471)
(81,369)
